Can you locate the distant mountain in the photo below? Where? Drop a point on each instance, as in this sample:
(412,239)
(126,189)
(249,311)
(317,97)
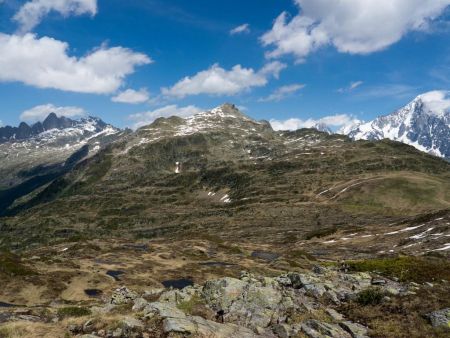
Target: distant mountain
(423,123)
(323,128)
(43,147)
(54,126)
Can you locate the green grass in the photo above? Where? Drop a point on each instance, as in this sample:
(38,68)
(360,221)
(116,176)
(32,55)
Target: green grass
(407,269)
(189,306)
(73,311)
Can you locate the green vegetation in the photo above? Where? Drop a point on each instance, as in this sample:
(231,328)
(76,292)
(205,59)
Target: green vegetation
(319,233)
(73,311)
(371,296)
(11,265)
(407,269)
(190,306)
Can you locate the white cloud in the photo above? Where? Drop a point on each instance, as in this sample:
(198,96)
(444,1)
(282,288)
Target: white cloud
(350,87)
(145,118)
(39,113)
(32,12)
(1,122)
(245,28)
(332,121)
(437,101)
(282,92)
(132,96)
(219,81)
(351,26)
(44,63)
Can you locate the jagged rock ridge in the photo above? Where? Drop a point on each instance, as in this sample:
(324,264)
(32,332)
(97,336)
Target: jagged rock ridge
(424,123)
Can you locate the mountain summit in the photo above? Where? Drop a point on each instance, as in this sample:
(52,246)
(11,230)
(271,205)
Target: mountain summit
(423,123)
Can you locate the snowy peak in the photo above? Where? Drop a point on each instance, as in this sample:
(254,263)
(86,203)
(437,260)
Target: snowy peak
(53,127)
(225,117)
(423,123)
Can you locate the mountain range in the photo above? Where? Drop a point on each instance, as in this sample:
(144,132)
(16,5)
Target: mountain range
(86,208)
(423,123)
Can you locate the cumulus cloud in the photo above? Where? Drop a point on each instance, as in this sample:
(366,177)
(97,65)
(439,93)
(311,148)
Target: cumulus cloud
(32,12)
(352,86)
(39,113)
(132,96)
(437,101)
(45,63)
(145,118)
(219,81)
(1,122)
(242,29)
(332,121)
(351,26)
(282,92)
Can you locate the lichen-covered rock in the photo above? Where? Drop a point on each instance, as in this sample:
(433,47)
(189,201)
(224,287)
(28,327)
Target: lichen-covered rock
(123,296)
(220,294)
(355,330)
(200,327)
(315,329)
(165,310)
(440,318)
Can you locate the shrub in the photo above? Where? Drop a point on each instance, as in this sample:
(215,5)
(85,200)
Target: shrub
(371,296)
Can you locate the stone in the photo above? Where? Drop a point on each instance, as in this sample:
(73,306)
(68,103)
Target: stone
(314,290)
(378,281)
(123,296)
(315,329)
(282,330)
(440,318)
(298,280)
(180,325)
(336,316)
(197,326)
(392,291)
(88,326)
(220,294)
(117,333)
(165,310)
(355,330)
(139,304)
(75,329)
(132,324)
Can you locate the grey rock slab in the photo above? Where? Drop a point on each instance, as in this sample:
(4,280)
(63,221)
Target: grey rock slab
(440,318)
(315,329)
(165,310)
(355,330)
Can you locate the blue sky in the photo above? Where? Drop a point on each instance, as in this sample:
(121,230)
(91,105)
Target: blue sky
(163,57)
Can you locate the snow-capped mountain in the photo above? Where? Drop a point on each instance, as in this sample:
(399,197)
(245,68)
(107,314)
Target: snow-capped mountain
(424,123)
(48,143)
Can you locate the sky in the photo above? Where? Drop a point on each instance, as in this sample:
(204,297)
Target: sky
(293,62)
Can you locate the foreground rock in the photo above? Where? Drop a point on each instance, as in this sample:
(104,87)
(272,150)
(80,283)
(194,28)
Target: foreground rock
(290,305)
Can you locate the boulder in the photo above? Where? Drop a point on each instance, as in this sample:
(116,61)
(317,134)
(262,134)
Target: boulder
(315,329)
(220,294)
(123,296)
(440,318)
(164,310)
(355,330)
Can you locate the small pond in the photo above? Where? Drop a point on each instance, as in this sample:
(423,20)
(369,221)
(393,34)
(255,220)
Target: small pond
(178,283)
(93,292)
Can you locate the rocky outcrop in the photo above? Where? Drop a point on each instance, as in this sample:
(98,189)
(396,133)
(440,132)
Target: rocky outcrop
(255,306)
